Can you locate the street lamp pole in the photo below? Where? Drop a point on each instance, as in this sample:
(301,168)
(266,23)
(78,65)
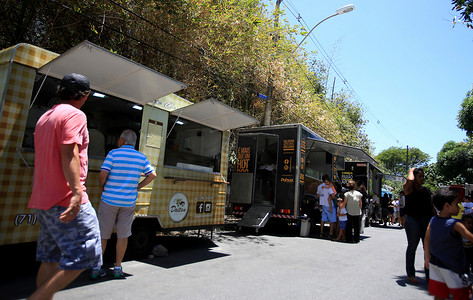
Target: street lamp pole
(342,10)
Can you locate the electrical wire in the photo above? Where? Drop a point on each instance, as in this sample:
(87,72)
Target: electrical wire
(340,75)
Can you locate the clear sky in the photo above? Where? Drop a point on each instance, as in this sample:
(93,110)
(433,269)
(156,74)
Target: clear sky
(403,59)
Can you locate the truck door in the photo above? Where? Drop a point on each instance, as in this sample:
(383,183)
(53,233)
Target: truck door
(266,170)
(254,181)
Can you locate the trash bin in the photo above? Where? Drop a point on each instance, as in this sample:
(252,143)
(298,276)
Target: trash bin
(305,226)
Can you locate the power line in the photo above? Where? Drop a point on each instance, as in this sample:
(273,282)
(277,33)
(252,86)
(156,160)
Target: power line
(337,71)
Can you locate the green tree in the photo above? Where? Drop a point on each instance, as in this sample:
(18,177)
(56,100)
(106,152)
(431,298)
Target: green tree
(396,185)
(434,179)
(465,7)
(220,49)
(393,159)
(465,115)
(455,162)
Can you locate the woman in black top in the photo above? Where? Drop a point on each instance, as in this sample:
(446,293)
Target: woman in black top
(419,211)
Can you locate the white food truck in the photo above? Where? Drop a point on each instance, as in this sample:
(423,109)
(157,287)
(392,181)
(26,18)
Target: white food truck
(186,143)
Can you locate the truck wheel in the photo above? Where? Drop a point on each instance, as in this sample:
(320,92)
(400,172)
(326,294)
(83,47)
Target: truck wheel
(142,240)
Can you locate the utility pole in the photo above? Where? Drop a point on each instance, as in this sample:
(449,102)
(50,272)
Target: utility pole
(269,100)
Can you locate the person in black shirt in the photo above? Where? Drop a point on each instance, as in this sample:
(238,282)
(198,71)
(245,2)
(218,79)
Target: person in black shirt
(385,209)
(419,210)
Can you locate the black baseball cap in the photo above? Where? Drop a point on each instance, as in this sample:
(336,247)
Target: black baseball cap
(75,82)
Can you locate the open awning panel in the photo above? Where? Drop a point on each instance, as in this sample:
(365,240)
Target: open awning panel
(215,114)
(112,74)
(342,150)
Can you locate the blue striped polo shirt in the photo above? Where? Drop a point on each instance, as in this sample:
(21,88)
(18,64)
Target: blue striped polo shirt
(124,166)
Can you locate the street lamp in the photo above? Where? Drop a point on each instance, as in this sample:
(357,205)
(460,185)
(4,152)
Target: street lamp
(342,10)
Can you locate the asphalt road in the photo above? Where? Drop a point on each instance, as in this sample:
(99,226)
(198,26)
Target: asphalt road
(275,264)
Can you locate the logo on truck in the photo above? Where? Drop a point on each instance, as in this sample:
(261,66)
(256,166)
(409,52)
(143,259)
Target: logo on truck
(178,207)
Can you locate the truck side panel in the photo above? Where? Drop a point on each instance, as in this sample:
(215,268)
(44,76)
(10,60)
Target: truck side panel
(17,222)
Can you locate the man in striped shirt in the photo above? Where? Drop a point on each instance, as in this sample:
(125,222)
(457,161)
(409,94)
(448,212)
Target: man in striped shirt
(119,177)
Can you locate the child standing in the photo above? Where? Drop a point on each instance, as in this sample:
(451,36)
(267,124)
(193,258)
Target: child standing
(342,219)
(467,220)
(444,255)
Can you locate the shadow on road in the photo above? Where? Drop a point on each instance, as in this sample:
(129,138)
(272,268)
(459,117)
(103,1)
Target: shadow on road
(422,285)
(18,280)
(184,250)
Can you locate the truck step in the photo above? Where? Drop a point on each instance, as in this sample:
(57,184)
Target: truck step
(256,217)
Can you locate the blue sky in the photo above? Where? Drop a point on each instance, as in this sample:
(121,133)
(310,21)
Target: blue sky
(408,66)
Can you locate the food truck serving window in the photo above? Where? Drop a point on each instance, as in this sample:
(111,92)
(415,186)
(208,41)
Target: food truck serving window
(190,145)
(107,117)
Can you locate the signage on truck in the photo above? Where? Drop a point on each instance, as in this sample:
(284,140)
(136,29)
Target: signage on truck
(288,149)
(203,205)
(243,155)
(346,176)
(178,207)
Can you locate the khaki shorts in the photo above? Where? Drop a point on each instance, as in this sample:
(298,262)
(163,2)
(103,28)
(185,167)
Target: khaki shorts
(120,217)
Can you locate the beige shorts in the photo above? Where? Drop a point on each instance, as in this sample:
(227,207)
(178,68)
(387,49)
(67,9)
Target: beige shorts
(120,217)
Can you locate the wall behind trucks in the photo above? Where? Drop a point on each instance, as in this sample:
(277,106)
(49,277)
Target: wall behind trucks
(17,222)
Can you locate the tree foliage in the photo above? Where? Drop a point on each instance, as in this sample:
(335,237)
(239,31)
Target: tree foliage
(434,178)
(465,7)
(393,159)
(228,50)
(455,162)
(465,115)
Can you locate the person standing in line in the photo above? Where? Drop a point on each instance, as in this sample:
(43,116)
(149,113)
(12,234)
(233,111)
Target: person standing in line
(402,204)
(325,193)
(444,254)
(396,212)
(385,209)
(467,221)
(353,203)
(390,211)
(361,187)
(468,205)
(120,181)
(342,219)
(419,211)
(376,207)
(69,237)
(338,197)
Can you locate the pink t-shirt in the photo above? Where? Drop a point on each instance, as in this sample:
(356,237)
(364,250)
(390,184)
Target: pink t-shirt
(62,124)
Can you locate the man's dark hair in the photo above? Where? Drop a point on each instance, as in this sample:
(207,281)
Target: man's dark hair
(443,196)
(325,177)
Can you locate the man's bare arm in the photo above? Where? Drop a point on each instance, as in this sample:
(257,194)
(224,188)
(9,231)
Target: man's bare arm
(71,168)
(150,177)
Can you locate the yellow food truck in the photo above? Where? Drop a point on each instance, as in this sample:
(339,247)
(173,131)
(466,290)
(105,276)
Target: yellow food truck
(186,143)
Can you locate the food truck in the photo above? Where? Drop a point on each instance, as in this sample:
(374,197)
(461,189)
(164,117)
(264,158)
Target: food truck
(363,171)
(186,143)
(279,169)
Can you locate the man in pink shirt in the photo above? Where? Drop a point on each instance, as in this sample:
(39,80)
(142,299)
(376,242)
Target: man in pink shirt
(69,238)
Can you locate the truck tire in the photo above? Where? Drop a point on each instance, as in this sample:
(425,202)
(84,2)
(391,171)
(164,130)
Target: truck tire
(142,240)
